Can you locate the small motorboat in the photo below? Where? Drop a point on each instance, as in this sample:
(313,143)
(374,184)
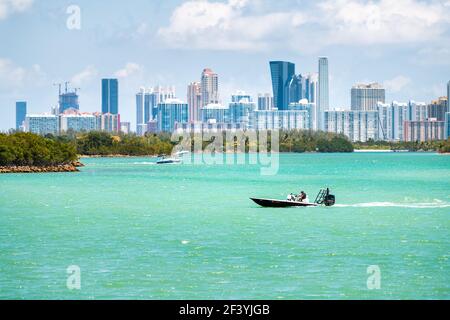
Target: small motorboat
(168,160)
(323,198)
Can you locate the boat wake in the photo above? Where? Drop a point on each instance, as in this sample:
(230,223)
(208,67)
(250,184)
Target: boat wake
(422,205)
(144,163)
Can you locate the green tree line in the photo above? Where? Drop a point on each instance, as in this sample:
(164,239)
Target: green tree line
(26,149)
(442,146)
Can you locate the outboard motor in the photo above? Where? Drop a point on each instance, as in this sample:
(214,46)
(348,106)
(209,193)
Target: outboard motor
(330,200)
(324,197)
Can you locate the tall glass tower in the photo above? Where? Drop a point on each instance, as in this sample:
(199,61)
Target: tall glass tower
(110,96)
(448,96)
(323,103)
(282,72)
(21,113)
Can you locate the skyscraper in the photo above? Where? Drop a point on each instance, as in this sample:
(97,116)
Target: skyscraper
(323,103)
(365,97)
(282,73)
(21,113)
(141,123)
(210,87)
(110,96)
(170,113)
(265,101)
(194,99)
(448,96)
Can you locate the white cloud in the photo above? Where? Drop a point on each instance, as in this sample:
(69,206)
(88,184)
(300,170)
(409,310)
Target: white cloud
(129,69)
(84,76)
(13,76)
(397,84)
(224,26)
(384,22)
(8,7)
(240,25)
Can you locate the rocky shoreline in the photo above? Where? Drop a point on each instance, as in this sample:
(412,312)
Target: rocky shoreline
(72,167)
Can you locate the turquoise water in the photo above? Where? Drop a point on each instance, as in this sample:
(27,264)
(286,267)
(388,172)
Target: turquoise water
(142,231)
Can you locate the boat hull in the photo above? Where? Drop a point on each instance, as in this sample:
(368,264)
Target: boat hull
(271,203)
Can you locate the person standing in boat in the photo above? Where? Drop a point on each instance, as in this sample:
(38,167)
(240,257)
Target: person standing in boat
(302,196)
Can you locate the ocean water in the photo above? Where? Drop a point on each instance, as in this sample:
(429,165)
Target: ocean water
(138,230)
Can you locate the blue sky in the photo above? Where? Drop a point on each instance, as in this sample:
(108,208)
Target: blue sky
(404,44)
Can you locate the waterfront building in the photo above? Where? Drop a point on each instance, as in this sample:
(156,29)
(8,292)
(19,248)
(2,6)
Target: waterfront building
(194,100)
(281,120)
(437,109)
(215,113)
(210,87)
(323,95)
(42,124)
(311,82)
(365,97)
(125,127)
(170,112)
(21,113)
(242,113)
(304,105)
(108,122)
(448,96)
(212,126)
(142,113)
(447,126)
(281,72)
(241,95)
(152,126)
(147,101)
(417,111)
(296,88)
(391,120)
(110,96)
(424,130)
(356,125)
(77,122)
(265,101)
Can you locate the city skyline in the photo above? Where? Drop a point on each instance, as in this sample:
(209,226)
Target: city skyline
(150,47)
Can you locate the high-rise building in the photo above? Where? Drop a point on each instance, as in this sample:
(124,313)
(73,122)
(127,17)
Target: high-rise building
(304,105)
(77,122)
(296,88)
(265,101)
(210,87)
(240,96)
(42,124)
(448,96)
(447,126)
(171,112)
(323,94)
(242,113)
(281,120)
(194,100)
(215,113)
(68,100)
(282,73)
(356,125)
(365,97)
(417,111)
(427,130)
(21,113)
(437,109)
(142,112)
(110,96)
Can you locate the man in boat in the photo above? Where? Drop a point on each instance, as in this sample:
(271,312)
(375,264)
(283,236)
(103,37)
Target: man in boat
(291,197)
(302,196)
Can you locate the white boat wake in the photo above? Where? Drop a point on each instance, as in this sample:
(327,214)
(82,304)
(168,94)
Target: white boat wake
(423,205)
